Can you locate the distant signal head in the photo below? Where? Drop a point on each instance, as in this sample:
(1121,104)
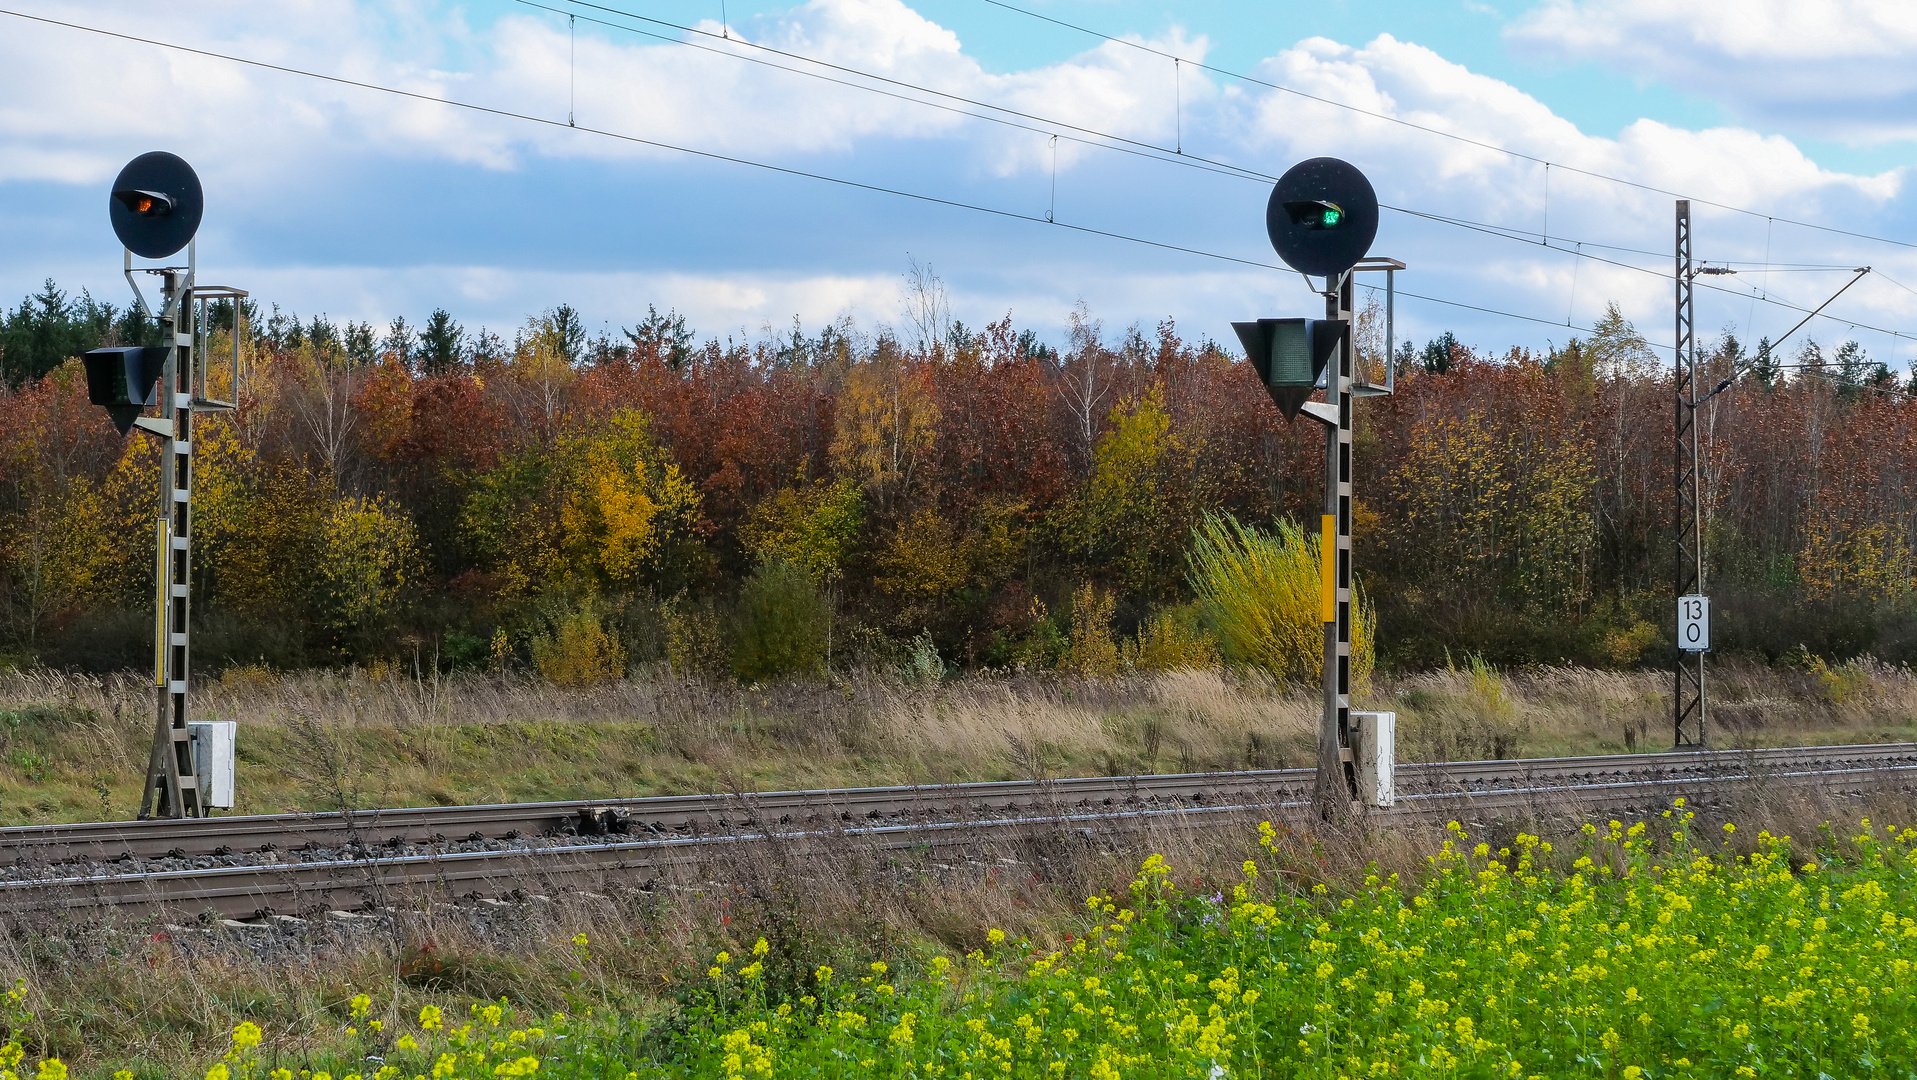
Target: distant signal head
(1322,216)
(155,205)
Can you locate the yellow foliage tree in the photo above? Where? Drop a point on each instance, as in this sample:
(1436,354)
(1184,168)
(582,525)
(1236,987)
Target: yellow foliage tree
(579,652)
(813,529)
(1131,516)
(1869,559)
(226,489)
(886,420)
(922,563)
(266,558)
(1173,639)
(368,558)
(1093,650)
(600,510)
(1494,507)
(624,501)
(541,365)
(57,558)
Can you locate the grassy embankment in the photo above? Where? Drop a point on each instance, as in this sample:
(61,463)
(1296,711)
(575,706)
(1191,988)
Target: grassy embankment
(74,748)
(1565,952)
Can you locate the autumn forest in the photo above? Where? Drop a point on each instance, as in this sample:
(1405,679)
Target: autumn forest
(934,498)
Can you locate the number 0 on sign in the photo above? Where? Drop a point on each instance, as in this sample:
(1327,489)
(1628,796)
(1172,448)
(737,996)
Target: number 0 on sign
(1694,623)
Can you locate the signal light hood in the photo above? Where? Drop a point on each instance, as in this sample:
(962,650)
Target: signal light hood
(145,203)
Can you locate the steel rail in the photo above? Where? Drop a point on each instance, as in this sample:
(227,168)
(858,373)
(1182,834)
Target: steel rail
(726,813)
(378,881)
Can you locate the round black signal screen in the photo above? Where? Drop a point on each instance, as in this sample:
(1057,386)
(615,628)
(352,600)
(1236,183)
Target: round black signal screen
(1322,216)
(155,205)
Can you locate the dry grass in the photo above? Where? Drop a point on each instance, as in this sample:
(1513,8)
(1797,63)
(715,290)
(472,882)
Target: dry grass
(1476,714)
(74,747)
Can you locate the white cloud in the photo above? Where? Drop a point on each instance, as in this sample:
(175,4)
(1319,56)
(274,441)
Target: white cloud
(527,63)
(78,103)
(1828,68)
(73,107)
(1415,169)
(501,297)
(703,97)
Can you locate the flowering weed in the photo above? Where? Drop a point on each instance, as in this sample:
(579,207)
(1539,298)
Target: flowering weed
(1632,954)
(1636,959)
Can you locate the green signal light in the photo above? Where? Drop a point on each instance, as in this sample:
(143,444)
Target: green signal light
(1316,214)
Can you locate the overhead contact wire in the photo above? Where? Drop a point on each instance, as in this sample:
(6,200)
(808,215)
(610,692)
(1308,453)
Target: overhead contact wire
(641,141)
(1169,154)
(857,184)
(1466,139)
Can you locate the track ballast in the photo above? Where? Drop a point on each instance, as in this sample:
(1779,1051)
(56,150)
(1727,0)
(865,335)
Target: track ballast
(247,865)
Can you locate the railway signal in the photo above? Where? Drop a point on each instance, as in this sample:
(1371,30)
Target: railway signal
(155,208)
(1322,217)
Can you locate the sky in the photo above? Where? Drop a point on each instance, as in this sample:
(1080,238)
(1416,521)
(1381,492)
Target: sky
(748,164)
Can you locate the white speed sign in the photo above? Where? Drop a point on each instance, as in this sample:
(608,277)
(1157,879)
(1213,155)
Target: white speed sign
(1694,623)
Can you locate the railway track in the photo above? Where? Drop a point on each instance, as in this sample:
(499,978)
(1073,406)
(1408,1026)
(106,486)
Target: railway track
(306,862)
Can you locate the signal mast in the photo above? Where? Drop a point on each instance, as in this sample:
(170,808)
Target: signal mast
(1322,217)
(155,207)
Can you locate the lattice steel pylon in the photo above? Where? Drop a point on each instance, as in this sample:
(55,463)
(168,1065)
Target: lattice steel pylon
(172,781)
(1687,509)
(174,786)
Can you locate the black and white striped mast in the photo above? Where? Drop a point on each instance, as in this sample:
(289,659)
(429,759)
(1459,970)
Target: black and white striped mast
(1322,217)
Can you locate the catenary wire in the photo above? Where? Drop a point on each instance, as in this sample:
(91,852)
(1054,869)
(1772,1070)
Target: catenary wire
(1150,152)
(1146,150)
(1895,282)
(641,141)
(786,170)
(1138,148)
(1492,230)
(1166,153)
(1466,139)
(511,115)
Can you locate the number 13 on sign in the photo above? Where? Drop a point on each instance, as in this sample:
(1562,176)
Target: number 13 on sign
(1694,623)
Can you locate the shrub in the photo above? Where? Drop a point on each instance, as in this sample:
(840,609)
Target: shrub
(1259,593)
(368,561)
(580,651)
(1487,684)
(1172,640)
(1623,646)
(694,642)
(923,664)
(1093,650)
(781,624)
